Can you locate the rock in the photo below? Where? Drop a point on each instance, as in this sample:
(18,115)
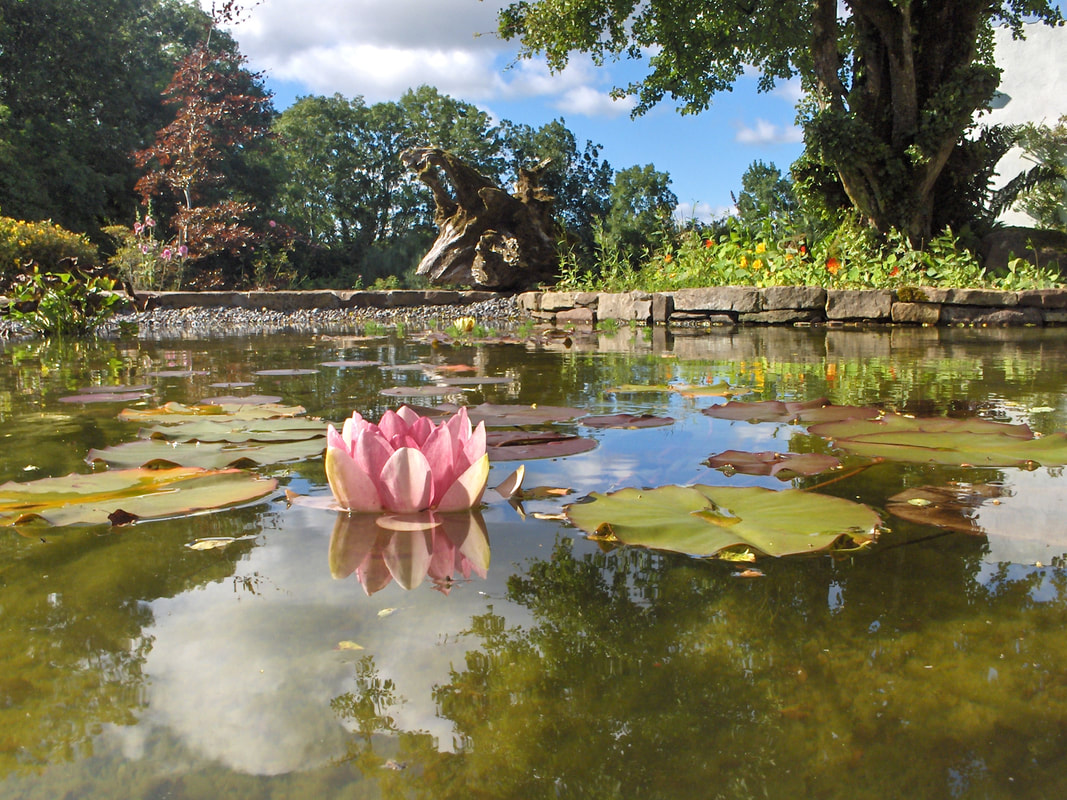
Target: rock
(863,304)
(916,313)
(488,238)
(631,306)
(741,299)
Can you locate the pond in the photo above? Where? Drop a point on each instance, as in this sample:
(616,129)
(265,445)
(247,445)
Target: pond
(301,660)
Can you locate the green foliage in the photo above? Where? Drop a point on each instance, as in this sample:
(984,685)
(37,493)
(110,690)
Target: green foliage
(23,244)
(69,303)
(1044,194)
(142,260)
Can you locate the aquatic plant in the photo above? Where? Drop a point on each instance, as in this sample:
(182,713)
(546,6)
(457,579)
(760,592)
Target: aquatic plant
(405,463)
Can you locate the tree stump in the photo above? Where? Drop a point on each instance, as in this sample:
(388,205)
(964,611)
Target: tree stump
(488,239)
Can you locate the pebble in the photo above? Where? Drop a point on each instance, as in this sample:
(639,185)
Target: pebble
(198,322)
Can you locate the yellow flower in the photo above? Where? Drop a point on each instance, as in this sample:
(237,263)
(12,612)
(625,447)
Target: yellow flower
(743,262)
(465,324)
(757,264)
(761,247)
(788,256)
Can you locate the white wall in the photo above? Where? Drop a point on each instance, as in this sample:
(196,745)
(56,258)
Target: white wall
(1033,88)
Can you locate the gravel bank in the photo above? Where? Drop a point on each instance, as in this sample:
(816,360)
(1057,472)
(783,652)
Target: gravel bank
(199,322)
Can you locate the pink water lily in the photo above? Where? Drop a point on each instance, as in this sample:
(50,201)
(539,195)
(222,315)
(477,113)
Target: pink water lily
(405,463)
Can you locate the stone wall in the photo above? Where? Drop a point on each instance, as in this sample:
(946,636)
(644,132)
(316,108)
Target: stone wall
(798,305)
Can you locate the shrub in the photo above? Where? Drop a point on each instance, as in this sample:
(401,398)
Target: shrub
(48,246)
(63,303)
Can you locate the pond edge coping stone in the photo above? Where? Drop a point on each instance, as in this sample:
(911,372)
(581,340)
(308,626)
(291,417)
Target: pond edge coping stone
(715,305)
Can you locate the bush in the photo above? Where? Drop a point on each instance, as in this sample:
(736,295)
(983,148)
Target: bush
(48,246)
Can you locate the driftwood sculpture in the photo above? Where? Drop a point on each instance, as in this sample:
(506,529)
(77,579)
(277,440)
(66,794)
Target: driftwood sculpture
(488,239)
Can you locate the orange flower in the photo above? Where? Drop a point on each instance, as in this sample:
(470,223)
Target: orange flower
(709,243)
(832,265)
(894,272)
(668,258)
(803,249)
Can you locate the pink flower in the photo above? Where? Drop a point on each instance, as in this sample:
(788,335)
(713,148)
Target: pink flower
(405,463)
(149,222)
(272,223)
(166,254)
(137,228)
(183,251)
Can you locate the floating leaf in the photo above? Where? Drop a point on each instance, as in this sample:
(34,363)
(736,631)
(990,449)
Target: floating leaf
(427,390)
(627,421)
(512,483)
(136,493)
(496,415)
(941,440)
(248,400)
(176,373)
(523,445)
(639,388)
(143,387)
(779,465)
(704,520)
(211,543)
(342,364)
(953,507)
(348,644)
(104,397)
(719,389)
(208,429)
(484,380)
(231,385)
(285,373)
(173,413)
(810,411)
(208,455)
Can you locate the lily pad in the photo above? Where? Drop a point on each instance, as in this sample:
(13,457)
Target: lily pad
(176,373)
(496,415)
(720,389)
(427,390)
(484,380)
(810,411)
(953,507)
(176,413)
(779,465)
(626,421)
(142,387)
(342,364)
(104,397)
(285,373)
(206,455)
(941,440)
(525,445)
(231,384)
(703,520)
(247,400)
(130,494)
(277,429)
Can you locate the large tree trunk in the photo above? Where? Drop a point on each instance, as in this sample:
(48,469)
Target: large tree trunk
(915,87)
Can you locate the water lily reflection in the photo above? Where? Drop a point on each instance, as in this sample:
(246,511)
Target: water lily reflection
(407,548)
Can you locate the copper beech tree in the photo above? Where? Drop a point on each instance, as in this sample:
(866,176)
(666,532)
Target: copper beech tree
(221,111)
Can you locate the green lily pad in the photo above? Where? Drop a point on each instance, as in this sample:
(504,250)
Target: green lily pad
(207,429)
(779,465)
(207,455)
(961,442)
(121,496)
(626,421)
(175,413)
(703,520)
(242,400)
(497,415)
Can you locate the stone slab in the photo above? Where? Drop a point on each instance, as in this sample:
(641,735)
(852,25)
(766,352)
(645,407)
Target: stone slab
(796,297)
(860,304)
(916,313)
(631,306)
(978,315)
(1043,298)
(740,299)
(781,316)
(576,316)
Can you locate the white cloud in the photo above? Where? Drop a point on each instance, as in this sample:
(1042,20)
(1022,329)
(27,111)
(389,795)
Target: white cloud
(592,103)
(764,132)
(684,213)
(790,91)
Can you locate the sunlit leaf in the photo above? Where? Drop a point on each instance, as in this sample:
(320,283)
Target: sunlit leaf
(640,388)
(720,389)
(703,520)
(207,429)
(104,397)
(528,445)
(139,493)
(512,483)
(175,373)
(780,465)
(348,644)
(285,373)
(212,543)
(427,390)
(626,421)
(941,440)
(178,413)
(342,364)
(207,455)
(247,400)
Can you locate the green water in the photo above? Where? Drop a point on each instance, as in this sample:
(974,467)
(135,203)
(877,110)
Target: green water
(933,665)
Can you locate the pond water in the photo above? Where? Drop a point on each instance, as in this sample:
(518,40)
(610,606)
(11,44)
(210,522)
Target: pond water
(932,664)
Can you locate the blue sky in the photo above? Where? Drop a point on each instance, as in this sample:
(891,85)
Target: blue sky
(378,49)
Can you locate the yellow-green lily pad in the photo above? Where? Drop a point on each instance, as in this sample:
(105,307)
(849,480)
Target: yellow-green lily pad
(704,520)
(279,429)
(177,412)
(207,455)
(940,440)
(121,496)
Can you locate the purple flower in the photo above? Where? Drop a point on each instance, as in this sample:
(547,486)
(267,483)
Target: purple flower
(144,249)
(137,228)
(148,221)
(166,254)
(183,251)
(272,223)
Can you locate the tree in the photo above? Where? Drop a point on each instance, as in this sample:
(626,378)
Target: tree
(642,207)
(1044,187)
(893,85)
(580,181)
(766,196)
(80,89)
(221,112)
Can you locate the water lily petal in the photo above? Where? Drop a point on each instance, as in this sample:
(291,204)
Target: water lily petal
(421,429)
(371,451)
(409,415)
(406,481)
(353,488)
(393,427)
(468,488)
